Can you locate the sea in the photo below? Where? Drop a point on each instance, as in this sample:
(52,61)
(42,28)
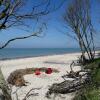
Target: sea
(15,53)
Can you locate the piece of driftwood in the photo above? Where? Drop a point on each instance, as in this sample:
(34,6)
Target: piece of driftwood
(31,94)
(74,74)
(67,86)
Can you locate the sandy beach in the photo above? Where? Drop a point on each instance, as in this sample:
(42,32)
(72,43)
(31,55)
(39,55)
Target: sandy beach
(43,81)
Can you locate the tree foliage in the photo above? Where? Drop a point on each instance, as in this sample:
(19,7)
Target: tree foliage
(78,17)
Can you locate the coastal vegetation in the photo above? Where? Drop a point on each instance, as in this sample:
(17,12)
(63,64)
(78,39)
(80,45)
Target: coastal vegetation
(78,17)
(92,90)
(86,85)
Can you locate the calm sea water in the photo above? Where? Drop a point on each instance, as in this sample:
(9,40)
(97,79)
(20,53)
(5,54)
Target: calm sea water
(11,53)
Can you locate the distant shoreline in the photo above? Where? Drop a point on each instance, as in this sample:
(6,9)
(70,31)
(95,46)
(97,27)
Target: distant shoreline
(34,53)
(4,59)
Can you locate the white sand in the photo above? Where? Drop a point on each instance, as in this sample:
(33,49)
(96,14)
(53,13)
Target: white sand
(43,81)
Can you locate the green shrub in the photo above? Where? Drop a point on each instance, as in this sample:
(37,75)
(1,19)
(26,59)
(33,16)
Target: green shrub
(91,91)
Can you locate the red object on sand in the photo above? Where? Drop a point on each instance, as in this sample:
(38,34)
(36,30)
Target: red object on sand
(48,71)
(37,72)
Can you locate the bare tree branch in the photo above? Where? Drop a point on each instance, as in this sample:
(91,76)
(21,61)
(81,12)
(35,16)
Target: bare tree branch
(68,34)
(78,17)
(11,16)
(23,37)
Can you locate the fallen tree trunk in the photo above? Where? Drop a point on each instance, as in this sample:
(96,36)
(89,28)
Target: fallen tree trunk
(66,87)
(4,87)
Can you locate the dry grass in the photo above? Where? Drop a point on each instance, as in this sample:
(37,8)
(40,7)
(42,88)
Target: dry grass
(16,77)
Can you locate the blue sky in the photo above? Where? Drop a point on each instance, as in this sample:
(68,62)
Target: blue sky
(53,38)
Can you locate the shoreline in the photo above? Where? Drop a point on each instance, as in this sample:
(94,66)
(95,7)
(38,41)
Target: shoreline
(5,59)
(44,55)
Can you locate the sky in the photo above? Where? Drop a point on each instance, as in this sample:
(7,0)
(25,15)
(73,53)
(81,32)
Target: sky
(54,37)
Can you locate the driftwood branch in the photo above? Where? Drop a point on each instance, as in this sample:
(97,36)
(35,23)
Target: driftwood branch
(31,94)
(68,86)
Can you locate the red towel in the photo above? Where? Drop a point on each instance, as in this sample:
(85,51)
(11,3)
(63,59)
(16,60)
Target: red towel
(37,72)
(48,71)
